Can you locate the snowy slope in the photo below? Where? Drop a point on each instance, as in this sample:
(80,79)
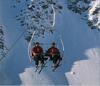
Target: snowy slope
(86,72)
(94,13)
(28,77)
(78,39)
(81,51)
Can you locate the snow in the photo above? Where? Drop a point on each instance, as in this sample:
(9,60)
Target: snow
(80,65)
(86,72)
(81,4)
(81,43)
(28,77)
(94,5)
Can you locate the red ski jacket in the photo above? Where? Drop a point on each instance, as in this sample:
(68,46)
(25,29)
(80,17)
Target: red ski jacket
(37,50)
(53,50)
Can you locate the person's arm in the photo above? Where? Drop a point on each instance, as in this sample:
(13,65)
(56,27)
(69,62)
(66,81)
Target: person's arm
(41,49)
(60,55)
(47,53)
(33,52)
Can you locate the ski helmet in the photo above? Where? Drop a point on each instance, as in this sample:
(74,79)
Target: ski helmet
(53,43)
(37,43)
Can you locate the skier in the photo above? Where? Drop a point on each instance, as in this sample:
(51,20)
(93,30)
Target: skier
(37,54)
(54,54)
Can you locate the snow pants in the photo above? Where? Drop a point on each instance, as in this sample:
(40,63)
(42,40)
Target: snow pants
(38,58)
(56,59)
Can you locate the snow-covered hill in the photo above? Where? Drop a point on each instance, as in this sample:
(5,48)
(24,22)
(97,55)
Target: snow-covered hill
(86,72)
(89,11)
(94,13)
(80,65)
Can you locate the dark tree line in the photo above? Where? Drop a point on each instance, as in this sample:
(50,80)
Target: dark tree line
(82,7)
(3,47)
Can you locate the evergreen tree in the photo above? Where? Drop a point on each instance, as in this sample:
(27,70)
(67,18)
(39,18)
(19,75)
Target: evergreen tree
(3,48)
(37,15)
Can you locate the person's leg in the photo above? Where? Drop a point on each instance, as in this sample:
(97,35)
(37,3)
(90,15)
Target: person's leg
(56,60)
(36,60)
(42,59)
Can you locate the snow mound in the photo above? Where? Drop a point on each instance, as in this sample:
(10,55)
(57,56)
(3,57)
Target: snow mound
(86,72)
(29,77)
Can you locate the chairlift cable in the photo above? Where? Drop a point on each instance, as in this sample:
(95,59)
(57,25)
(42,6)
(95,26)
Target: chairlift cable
(30,45)
(62,43)
(54,16)
(12,46)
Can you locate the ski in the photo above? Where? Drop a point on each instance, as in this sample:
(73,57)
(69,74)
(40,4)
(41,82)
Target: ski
(42,66)
(36,68)
(41,69)
(54,68)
